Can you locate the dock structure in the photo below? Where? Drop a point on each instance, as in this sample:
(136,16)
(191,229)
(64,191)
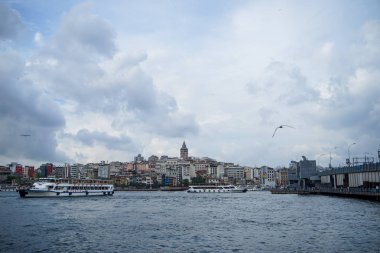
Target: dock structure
(368,194)
(8,188)
(359,176)
(354,181)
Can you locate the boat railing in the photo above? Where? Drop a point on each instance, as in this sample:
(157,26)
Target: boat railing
(75,181)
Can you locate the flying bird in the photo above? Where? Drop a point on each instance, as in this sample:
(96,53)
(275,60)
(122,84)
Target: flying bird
(281,126)
(25,135)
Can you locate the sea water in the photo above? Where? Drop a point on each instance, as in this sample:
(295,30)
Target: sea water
(185,222)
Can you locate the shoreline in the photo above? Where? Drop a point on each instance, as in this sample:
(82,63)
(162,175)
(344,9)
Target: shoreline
(153,189)
(344,193)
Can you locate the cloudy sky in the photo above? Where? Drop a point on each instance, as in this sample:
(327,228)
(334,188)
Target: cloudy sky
(106,80)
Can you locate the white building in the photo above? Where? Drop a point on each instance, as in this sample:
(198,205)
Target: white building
(252,175)
(104,170)
(235,172)
(184,170)
(268,177)
(13,166)
(76,170)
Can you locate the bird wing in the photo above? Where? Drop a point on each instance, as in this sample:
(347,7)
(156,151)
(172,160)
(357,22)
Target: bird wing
(288,126)
(275,132)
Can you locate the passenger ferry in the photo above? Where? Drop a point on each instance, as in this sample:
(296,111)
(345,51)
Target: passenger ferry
(215,188)
(58,187)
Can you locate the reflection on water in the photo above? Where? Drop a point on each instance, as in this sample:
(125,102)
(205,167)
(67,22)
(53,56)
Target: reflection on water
(178,222)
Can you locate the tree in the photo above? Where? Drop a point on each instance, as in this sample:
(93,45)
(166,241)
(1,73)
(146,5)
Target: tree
(198,180)
(185,182)
(10,178)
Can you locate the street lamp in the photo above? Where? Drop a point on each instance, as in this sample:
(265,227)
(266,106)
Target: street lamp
(349,157)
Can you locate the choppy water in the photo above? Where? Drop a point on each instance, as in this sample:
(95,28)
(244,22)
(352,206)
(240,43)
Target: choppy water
(182,222)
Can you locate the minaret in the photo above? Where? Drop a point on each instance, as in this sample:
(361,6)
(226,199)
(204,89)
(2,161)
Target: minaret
(184,151)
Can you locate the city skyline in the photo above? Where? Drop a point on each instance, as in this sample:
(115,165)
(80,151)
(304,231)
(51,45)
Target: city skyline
(91,81)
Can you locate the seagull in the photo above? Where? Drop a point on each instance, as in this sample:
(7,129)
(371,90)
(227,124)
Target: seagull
(281,126)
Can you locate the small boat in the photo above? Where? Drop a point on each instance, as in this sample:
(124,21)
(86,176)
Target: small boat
(58,187)
(215,188)
(254,189)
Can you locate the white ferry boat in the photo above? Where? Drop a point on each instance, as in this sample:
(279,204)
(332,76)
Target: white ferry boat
(215,188)
(57,187)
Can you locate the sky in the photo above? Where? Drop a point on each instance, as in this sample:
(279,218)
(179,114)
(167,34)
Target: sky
(94,81)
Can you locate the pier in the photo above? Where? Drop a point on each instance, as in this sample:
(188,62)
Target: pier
(368,194)
(8,188)
(359,180)
(163,188)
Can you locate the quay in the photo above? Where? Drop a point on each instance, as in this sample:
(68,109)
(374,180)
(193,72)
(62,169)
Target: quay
(288,191)
(173,188)
(163,188)
(136,189)
(368,194)
(357,180)
(7,188)
(283,191)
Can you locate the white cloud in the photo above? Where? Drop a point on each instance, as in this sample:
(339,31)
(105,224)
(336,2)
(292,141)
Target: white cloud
(364,83)
(38,38)
(371,34)
(327,50)
(112,88)
(150,78)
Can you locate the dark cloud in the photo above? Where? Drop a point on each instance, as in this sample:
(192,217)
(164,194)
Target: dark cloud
(82,33)
(81,64)
(178,126)
(354,101)
(11,24)
(354,108)
(268,116)
(26,110)
(342,101)
(91,138)
(136,91)
(369,52)
(285,84)
(68,63)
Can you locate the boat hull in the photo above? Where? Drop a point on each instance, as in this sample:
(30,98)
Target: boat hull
(67,187)
(216,189)
(58,194)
